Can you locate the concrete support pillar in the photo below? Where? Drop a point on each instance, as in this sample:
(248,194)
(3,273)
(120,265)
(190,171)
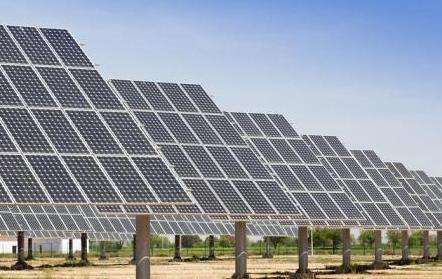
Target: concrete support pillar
(83,259)
(303,250)
(21,263)
(177,250)
(134,245)
(346,250)
(378,249)
(426,245)
(142,247)
(71,249)
(439,245)
(30,250)
(267,254)
(405,247)
(240,250)
(211,247)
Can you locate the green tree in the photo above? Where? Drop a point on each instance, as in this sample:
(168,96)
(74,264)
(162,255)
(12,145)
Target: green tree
(277,240)
(416,238)
(226,241)
(394,238)
(188,241)
(366,238)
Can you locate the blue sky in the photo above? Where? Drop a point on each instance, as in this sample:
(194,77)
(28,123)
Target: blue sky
(366,71)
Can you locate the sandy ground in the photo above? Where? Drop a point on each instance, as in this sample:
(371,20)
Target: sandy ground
(117,268)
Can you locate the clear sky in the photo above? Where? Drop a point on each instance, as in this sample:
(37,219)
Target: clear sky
(369,72)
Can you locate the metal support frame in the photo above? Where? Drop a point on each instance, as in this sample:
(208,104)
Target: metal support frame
(439,245)
(240,250)
(405,246)
(378,263)
(303,249)
(21,263)
(30,250)
(83,259)
(71,249)
(177,248)
(346,250)
(426,245)
(211,255)
(142,246)
(267,254)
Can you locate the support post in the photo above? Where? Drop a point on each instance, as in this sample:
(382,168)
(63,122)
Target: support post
(240,250)
(267,254)
(378,263)
(83,259)
(177,250)
(21,263)
(405,247)
(134,245)
(142,247)
(439,245)
(211,248)
(70,249)
(426,245)
(346,250)
(30,250)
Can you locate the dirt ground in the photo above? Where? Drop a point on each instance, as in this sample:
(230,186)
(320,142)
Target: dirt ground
(118,268)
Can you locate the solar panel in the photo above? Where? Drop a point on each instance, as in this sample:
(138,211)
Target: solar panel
(353,178)
(294,164)
(209,148)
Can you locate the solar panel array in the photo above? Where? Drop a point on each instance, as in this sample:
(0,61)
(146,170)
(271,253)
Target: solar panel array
(47,222)
(292,162)
(418,194)
(393,190)
(65,136)
(205,150)
(351,176)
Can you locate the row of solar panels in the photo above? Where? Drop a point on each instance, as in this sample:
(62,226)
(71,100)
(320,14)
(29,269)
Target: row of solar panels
(69,137)
(70,221)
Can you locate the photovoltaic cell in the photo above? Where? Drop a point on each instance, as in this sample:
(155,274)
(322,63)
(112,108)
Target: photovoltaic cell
(286,152)
(229,197)
(178,159)
(246,124)
(6,144)
(337,146)
(153,126)
(60,132)
(253,196)
(128,181)
(96,89)
(33,45)
(29,86)
(202,129)
(265,125)
(200,98)
(278,197)
(128,133)
(225,130)
(266,149)
(63,87)
(66,47)
(8,96)
(55,179)
(91,179)
(9,52)
(227,162)
(153,94)
(251,163)
(130,94)
(161,180)
(203,161)
(303,150)
(94,132)
(177,97)
(20,181)
(283,125)
(24,130)
(178,128)
(288,178)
